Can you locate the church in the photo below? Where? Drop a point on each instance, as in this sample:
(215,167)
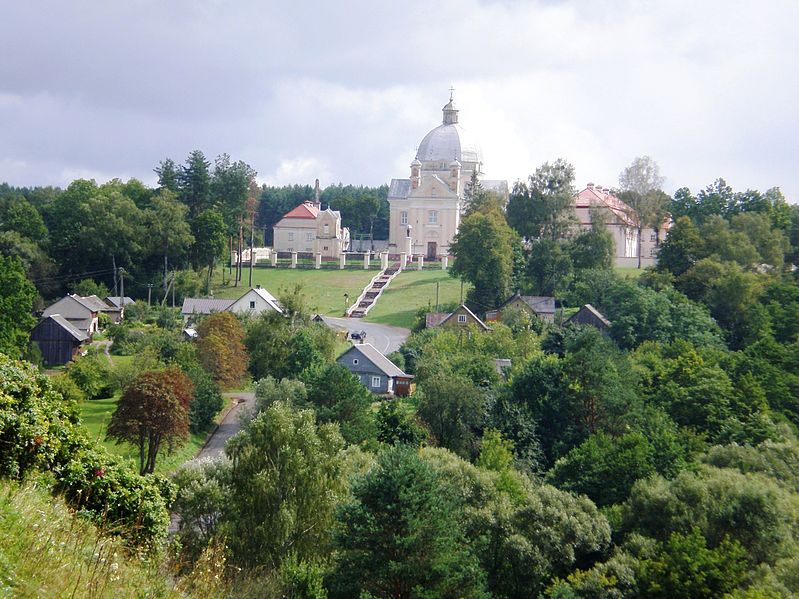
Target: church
(425,209)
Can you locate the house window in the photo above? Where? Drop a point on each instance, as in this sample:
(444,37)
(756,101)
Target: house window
(375,381)
(327,229)
(461,318)
(309,237)
(291,235)
(653,237)
(432,217)
(325,248)
(252,305)
(403,218)
(355,361)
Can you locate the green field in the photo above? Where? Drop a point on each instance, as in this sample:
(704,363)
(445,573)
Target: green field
(95,416)
(411,290)
(324,289)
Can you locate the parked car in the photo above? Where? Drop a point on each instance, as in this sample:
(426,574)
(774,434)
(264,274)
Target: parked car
(357,335)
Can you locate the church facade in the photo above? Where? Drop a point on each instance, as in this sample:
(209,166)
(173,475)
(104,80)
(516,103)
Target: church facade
(425,209)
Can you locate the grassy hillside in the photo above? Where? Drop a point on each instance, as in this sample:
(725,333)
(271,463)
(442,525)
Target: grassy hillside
(45,551)
(411,290)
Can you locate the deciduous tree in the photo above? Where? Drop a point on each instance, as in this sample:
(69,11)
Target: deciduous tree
(153,411)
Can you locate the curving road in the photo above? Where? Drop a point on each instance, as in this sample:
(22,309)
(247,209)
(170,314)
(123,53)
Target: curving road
(385,338)
(229,426)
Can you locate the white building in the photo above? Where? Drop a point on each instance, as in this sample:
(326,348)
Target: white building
(425,210)
(309,229)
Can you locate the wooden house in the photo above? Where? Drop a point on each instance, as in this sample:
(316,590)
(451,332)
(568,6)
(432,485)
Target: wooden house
(58,340)
(588,315)
(540,306)
(463,318)
(376,372)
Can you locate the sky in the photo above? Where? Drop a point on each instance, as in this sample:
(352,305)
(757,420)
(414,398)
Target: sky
(345,91)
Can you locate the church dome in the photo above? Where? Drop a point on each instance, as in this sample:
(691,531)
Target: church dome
(450,141)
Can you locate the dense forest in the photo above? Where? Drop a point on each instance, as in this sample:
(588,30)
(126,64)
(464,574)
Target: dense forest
(187,225)
(658,458)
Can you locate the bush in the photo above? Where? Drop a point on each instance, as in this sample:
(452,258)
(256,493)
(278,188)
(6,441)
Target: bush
(92,374)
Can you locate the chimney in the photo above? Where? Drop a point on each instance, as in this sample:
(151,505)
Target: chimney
(590,186)
(317,195)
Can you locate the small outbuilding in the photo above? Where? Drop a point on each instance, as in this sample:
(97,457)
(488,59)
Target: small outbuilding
(57,339)
(375,371)
(588,315)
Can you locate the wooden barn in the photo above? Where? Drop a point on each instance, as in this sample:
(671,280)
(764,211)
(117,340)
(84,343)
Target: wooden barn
(57,339)
(590,316)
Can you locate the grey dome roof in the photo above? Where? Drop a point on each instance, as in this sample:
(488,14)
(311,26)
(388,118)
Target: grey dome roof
(449,142)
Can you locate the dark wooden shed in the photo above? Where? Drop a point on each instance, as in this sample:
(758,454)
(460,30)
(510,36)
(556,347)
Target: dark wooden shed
(58,340)
(590,316)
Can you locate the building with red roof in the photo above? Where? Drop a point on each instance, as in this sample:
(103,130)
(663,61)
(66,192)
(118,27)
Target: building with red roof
(309,229)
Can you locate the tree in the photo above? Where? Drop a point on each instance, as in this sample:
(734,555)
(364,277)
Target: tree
(285,479)
(543,208)
(453,409)
(210,236)
(593,248)
(168,175)
(641,189)
(16,307)
(483,250)
(194,182)
(338,396)
(152,411)
(549,267)
(399,536)
(168,230)
(221,348)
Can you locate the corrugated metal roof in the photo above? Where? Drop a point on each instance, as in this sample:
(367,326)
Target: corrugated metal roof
(541,304)
(192,305)
(372,354)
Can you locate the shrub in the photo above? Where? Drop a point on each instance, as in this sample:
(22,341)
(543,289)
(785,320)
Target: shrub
(92,374)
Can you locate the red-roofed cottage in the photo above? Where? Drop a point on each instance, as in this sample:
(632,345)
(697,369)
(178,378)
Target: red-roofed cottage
(308,228)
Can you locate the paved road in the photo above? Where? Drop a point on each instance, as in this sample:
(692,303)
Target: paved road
(385,338)
(229,426)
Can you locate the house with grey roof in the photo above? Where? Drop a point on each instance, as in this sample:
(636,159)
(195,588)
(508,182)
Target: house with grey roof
(81,312)
(253,301)
(461,318)
(375,371)
(57,339)
(540,306)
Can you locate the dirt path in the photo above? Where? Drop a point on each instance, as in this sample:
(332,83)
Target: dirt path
(229,426)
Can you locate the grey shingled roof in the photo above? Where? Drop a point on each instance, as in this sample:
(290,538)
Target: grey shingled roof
(68,327)
(193,305)
(116,300)
(371,353)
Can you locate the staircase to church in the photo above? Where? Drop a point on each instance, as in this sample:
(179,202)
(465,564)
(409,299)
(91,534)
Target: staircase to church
(373,291)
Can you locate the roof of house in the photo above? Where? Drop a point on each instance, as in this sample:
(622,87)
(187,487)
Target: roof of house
(267,297)
(592,310)
(92,302)
(193,305)
(595,195)
(305,210)
(372,354)
(433,319)
(116,300)
(480,323)
(67,326)
(540,304)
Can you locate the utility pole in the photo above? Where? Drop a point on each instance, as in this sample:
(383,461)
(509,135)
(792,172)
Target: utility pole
(437,284)
(114,260)
(122,285)
(149,293)
(252,244)
(461,291)
(173,288)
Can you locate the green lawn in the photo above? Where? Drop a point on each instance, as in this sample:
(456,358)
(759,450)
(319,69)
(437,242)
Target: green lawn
(411,290)
(95,416)
(628,271)
(324,289)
